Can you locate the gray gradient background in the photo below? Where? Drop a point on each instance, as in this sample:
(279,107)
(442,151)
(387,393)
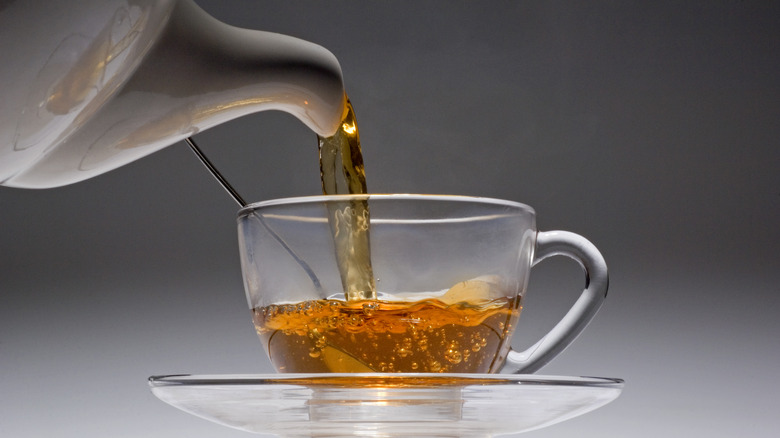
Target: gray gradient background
(649,127)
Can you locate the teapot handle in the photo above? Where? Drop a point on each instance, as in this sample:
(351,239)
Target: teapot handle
(552,243)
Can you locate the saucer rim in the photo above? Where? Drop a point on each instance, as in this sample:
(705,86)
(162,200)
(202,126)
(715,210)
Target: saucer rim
(374,379)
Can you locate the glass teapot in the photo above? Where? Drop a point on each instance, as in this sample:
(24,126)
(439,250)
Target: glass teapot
(91,85)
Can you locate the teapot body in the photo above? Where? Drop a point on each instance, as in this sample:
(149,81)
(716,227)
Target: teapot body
(100,83)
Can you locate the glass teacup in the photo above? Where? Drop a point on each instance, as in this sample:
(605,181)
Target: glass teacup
(448,274)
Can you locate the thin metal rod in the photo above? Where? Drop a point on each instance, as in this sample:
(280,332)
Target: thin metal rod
(236,197)
(215,173)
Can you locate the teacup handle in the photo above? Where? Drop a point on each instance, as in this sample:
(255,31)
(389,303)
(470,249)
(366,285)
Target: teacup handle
(552,243)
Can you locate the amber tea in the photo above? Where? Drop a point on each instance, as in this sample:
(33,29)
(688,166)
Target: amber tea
(427,336)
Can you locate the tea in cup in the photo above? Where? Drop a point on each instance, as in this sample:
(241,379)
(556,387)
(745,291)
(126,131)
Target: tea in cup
(448,278)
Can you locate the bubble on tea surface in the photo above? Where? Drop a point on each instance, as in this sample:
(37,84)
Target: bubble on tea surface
(453,354)
(474,291)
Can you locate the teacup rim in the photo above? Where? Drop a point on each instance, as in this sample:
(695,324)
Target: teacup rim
(384,196)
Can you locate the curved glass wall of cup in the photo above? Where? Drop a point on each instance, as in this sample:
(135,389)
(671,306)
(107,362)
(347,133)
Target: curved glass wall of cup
(385,405)
(446,269)
(419,244)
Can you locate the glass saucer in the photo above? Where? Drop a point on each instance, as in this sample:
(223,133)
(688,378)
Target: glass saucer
(385,405)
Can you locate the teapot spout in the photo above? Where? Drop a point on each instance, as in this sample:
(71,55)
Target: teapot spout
(194,73)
